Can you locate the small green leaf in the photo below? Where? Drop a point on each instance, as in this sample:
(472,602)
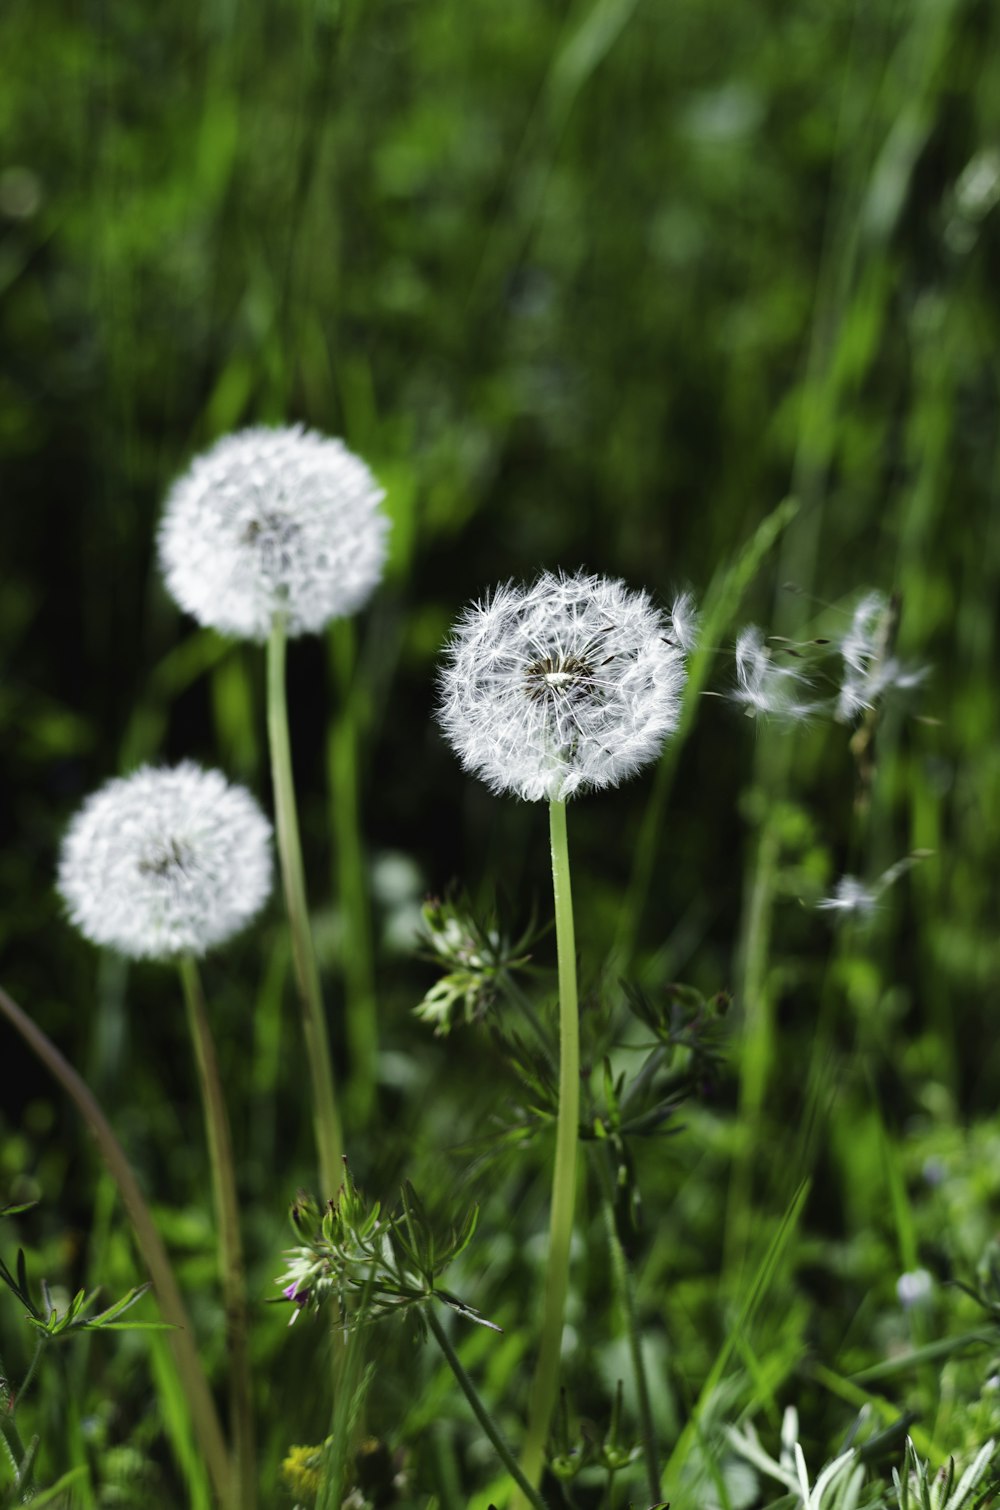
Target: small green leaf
(54,1492)
(108,1315)
(17,1210)
(130,1326)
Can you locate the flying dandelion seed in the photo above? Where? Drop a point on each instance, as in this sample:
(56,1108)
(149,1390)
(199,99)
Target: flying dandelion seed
(854,898)
(870,669)
(764,685)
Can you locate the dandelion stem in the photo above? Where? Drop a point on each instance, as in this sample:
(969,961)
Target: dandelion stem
(325,1116)
(227,1215)
(360,1017)
(481,1414)
(626,1290)
(204,1419)
(545,1384)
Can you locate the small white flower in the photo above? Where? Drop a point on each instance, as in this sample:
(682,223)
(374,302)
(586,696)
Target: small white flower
(766,686)
(166,862)
(869,669)
(273,521)
(567,684)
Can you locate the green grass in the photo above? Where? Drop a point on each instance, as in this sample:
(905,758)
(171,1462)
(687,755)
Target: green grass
(700,295)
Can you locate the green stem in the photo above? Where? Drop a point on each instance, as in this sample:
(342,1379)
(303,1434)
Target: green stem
(325,1118)
(545,1384)
(227,1215)
(204,1418)
(29,1377)
(481,1414)
(626,1290)
(360,1018)
(9,1433)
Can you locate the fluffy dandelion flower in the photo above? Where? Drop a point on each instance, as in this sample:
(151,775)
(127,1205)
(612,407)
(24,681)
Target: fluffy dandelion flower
(571,683)
(765,686)
(273,521)
(166,862)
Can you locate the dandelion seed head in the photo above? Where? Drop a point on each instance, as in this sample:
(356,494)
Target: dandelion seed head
(569,684)
(765,686)
(164,862)
(273,521)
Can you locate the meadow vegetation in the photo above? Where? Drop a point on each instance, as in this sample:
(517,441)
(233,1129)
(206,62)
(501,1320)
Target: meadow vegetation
(701,297)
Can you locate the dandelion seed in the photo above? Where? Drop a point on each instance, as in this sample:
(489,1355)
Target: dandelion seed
(273,521)
(764,686)
(857,899)
(852,897)
(166,862)
(870,670)
(684,622)
(571,683)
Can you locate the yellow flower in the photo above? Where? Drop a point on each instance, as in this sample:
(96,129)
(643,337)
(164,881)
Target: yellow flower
(301,1471)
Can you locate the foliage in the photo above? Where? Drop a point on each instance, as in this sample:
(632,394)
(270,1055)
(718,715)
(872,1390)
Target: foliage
(702,295)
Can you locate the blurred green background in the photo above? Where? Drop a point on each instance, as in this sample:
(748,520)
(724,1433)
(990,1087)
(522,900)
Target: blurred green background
(588,283)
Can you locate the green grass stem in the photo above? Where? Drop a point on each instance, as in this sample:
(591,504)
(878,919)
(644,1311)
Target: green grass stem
(482,1415)
(329,1144)
(9,1433)
(227,1215)
(357,964)
(204,1418)
(545,1385)
(626,1294)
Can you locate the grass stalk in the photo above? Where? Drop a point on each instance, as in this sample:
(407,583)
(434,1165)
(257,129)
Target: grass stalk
(204,1418)
(545,1384)
(9,1433)
(360,1018)
(326,1120)
(626,1293)
(227,1215)
(482,1415)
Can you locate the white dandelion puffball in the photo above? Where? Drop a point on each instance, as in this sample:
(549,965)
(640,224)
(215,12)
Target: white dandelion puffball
(273,521)
(573,682)
(166,862)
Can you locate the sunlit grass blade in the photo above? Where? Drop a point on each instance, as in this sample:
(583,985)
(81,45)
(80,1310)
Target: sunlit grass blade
(722,601)
(756,1292)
